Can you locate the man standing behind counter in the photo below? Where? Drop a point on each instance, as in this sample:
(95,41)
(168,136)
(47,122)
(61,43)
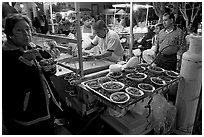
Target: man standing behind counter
(170,39)
(108,41)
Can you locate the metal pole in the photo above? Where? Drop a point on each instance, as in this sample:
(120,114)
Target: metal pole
(79,39)
(52,25)
(114,18)
(147,15)
(131,29)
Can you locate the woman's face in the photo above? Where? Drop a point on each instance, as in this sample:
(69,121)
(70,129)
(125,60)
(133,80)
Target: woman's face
(87,23)
(157,30)
(21,33)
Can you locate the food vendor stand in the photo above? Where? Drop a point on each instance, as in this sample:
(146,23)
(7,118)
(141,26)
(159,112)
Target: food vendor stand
(74,73)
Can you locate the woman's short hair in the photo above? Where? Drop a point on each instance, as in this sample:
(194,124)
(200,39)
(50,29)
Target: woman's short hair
(12,19)
(86,17)
(99,25)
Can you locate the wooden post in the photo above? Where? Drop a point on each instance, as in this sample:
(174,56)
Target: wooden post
(79,39)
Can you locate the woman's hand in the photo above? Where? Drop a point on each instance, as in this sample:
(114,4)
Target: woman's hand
(31,54)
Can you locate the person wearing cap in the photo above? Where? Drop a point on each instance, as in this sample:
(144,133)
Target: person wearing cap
(170,40)
(108,41)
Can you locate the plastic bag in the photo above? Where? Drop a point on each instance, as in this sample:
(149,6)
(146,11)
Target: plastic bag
(164,115)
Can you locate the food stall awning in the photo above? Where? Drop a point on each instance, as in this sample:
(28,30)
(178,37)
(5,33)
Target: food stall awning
(120,12)
(110,11)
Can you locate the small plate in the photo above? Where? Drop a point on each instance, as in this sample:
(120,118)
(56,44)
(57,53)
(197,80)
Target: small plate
(133,76)
(113,86)
(134,91)
(172,74)
(158,81)
(143,85)
(119,97)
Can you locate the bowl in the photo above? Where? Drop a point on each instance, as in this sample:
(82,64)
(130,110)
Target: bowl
(48,65)
(119,97)
(146,87)
(112,86)
(172,74)
(158,81)
(130,69)
(134,91)
(94,84)
(156,70)
(105,79)
(137,76)
(140,69)
(166,79)
(114,74)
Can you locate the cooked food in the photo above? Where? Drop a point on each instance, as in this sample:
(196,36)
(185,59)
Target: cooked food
(140,68)
(93,84)
(112,85)
(146,87)
(134,91)
(155,68)
(157,81)
(119,97)
(136,75)
(129,69)
(104,79)
(166,79)
(115,74)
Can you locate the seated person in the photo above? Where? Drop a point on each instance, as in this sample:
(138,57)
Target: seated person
(108,41)
(53,49)
(145,42)
(158,27)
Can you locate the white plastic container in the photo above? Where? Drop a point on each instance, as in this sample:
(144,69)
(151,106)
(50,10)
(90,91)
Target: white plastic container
(115,68)
(189,87)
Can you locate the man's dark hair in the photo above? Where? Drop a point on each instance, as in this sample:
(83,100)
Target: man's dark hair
(99,25)
(170,15)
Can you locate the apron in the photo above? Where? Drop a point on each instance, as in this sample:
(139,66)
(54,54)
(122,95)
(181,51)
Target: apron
(168,62)
(86,41)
